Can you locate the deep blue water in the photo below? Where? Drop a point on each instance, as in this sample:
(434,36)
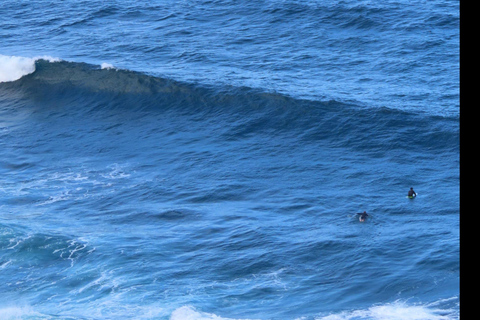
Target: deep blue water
(206,160)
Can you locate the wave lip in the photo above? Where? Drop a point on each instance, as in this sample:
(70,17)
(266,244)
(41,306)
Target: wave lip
(13,68)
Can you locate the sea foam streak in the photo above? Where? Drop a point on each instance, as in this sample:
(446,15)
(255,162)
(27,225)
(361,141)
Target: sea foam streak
(13,68)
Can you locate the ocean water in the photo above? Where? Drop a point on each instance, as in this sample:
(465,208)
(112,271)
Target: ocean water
(205,160)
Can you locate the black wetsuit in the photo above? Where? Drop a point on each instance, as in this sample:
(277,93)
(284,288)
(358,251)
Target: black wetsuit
(411,193)
(363,215)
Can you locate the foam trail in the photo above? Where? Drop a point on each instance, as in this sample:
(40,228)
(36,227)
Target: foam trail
(13,68)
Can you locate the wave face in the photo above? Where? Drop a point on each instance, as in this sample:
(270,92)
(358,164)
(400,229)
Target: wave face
(194,161)
(340,124)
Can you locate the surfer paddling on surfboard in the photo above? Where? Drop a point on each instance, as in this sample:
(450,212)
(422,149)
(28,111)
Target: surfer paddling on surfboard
(363,216)
(411,193)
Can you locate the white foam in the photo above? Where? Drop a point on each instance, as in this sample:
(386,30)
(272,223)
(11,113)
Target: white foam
(189,313)
(107,66)
(5,264)
(18,313)
(394,311)
(13,68)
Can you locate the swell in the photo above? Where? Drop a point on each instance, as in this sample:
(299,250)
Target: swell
(244,112)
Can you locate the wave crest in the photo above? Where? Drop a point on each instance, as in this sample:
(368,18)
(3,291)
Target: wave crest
(13,68)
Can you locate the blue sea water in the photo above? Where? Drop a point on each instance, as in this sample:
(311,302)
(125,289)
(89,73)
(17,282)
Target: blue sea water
(200,160)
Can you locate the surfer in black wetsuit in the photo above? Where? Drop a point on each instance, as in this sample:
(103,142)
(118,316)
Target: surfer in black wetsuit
(363,216)
(411,193)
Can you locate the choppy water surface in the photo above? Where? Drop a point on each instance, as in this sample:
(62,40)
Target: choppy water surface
(205,160)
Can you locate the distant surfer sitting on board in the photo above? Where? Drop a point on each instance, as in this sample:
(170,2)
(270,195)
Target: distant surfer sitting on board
(363,216)
(411,193)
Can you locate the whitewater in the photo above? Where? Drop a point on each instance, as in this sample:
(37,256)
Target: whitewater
(207,160)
